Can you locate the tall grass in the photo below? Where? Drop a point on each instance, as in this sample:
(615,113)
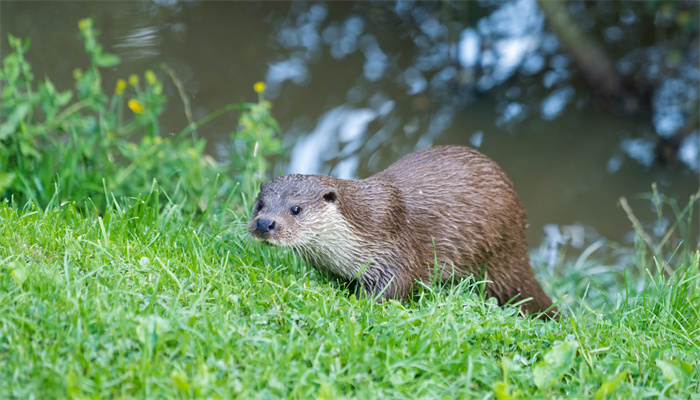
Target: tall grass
(142,300)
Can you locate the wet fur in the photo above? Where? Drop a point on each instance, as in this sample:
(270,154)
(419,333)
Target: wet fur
(449,203)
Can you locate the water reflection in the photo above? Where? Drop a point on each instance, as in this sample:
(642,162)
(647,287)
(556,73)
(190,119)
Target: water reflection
(293,69)
(553,105)
(357,84)
(689,152)
(140,43)
(339,133)
(639,149)
(556,238)
(673,99)
(511,33)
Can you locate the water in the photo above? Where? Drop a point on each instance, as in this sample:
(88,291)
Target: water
(357,85)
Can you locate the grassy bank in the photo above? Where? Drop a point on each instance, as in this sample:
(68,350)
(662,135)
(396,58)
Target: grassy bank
(113,286)
(146,301)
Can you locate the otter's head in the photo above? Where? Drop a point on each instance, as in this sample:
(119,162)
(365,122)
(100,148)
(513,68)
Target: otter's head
(292,210)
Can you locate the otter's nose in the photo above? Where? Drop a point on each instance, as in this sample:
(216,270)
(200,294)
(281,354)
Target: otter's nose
(265,226)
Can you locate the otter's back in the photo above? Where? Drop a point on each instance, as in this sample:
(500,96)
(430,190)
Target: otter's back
(461,200)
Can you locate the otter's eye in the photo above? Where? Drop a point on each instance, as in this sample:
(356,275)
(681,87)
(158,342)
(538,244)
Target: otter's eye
(295,210)
(260,205)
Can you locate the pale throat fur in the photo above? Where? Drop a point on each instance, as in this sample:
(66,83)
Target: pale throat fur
(330,244)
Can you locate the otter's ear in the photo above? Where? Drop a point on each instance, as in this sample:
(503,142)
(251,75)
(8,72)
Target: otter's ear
(330,196)
(263,185)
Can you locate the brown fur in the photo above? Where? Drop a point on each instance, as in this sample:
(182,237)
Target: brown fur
(449,204)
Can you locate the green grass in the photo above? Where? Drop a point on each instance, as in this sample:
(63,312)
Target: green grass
(153,301)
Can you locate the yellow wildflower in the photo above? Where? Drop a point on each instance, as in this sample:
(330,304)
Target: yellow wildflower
(134,80)
(259,87)
(150,77)
(85,23)
(135,106)
(119,89)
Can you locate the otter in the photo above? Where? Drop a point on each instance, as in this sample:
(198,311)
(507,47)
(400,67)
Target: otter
(444,212)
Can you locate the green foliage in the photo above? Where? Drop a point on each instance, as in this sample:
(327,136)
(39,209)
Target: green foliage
(142,301)
(555,364)
(256,134)
(610,385)
(84,143)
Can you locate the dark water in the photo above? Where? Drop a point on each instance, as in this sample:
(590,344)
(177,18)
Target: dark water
(357,85)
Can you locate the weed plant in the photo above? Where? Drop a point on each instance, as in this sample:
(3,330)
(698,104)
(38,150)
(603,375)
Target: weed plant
(84,143)
(158,296)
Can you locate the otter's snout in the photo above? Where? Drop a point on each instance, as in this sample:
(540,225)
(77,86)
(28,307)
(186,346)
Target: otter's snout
(265,226)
